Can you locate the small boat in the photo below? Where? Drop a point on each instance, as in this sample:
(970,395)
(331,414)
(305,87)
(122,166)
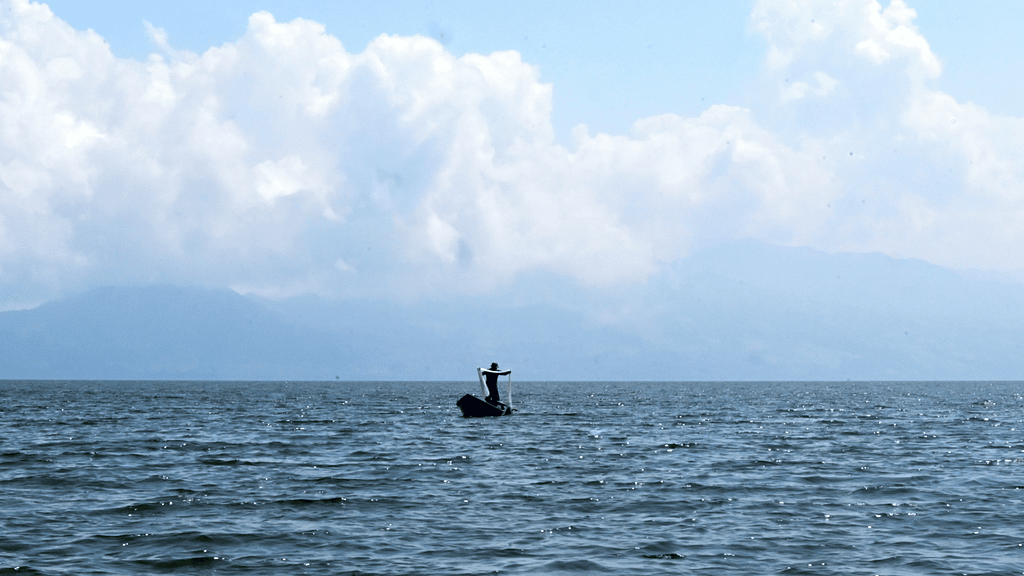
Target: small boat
(473,407)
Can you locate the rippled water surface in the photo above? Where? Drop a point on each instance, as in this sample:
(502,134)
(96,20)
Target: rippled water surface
(623,478)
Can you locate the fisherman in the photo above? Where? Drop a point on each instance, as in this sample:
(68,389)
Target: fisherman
(492,381)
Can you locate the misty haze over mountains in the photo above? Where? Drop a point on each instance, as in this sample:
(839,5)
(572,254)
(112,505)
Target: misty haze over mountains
(738,311)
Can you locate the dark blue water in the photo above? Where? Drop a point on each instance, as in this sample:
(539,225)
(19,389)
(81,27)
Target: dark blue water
(623,478)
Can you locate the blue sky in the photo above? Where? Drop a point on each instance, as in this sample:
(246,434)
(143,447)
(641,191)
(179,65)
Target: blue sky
(288,147)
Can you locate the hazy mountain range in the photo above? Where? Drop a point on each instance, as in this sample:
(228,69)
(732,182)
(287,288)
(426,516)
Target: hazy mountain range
(739,311)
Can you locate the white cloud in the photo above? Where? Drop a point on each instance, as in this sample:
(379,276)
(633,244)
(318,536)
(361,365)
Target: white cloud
(281,162)
(796,90)
(918,173)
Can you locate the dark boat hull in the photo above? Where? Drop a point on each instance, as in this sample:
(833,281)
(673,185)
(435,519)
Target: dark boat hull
(473,407)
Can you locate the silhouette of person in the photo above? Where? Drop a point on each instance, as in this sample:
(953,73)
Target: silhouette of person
(492,381)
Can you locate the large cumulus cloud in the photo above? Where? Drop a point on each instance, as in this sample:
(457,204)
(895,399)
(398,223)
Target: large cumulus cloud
(917,173)
(284,163)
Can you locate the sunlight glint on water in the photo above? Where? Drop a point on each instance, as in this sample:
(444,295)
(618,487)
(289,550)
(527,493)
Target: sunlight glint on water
(625,478)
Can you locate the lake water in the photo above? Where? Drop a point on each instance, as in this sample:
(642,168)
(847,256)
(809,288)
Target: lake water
(587,478)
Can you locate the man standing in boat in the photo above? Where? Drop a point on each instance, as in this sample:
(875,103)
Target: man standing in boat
(492,381)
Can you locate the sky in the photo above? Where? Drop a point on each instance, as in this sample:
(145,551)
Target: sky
(410,149)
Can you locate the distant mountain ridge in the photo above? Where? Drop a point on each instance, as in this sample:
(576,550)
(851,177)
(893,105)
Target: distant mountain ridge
(739,311)
(155,332)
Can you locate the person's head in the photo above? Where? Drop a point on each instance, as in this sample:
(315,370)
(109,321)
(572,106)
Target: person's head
(494,365)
